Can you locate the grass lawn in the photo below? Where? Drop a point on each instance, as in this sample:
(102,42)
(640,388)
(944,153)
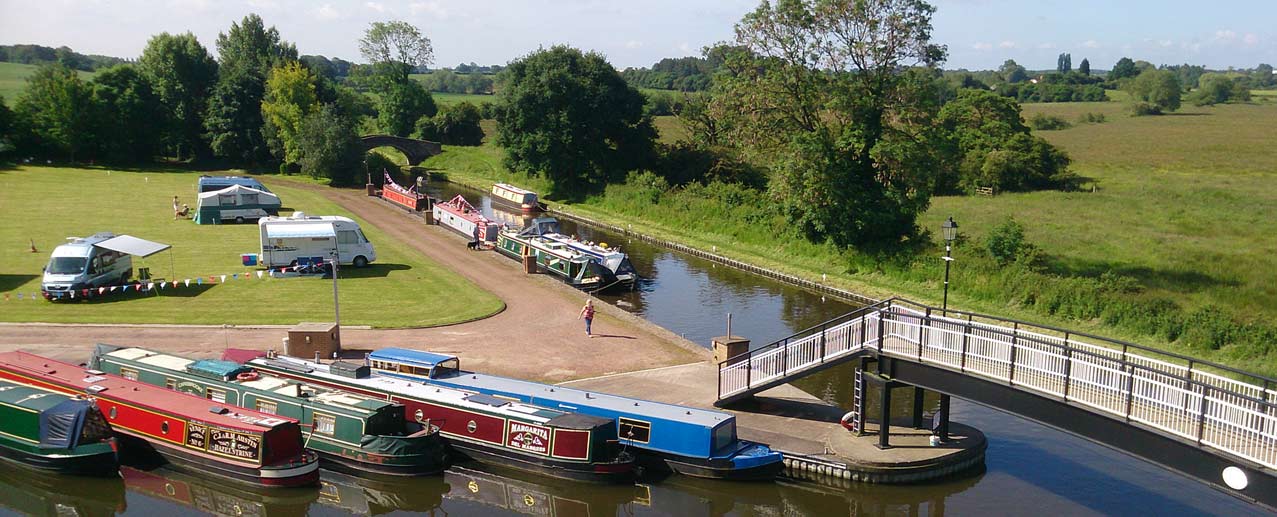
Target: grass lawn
(448,99)
(13,80)
(46,204)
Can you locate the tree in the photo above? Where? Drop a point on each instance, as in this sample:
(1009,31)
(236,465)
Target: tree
(1154,91)
(995,149)
(1064,63)
(1123,69)
(1085,67)
(290,97)
(1263,76)
(401,105)
(1012,72)
(571,118)
(839,98)
(1220,88)
(7,129)
(182,73)
(58,108)
(248,52)
(330,147)
(396,42)
(453,125)
(128,108)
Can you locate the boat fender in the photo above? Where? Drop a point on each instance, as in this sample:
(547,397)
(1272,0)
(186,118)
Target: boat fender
(247,376)
(848,421)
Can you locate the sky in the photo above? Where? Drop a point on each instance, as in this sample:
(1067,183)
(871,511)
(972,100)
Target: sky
(980,34)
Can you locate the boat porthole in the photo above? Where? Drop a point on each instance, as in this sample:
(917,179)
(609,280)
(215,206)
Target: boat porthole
(1235,478)
(112,413)
(528,500)
(419,415)
(471,426)
(164,427)
(168,489)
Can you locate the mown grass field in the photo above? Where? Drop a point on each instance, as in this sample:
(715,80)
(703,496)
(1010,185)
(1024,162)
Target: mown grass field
(45,204)
(13,80)
(1183,205)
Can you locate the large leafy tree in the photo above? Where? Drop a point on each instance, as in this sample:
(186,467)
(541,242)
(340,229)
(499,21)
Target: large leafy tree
(1012,72)
(993,147)
(1154,91)
(182,74)
(1124,68)
(401,104)
(58,109)
(247,53)
(129,108)
(395,49)
(7,129)
(290,98)
(330,147)
(396,42)
(453,125)
(824,92)
(570,117)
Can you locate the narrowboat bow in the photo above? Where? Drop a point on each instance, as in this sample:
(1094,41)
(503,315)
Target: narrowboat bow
(55,432)
(580,264)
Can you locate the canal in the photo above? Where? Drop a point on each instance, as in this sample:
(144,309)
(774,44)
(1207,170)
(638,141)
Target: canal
(1030,469)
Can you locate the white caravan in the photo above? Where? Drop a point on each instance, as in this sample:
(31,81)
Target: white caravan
(303,239)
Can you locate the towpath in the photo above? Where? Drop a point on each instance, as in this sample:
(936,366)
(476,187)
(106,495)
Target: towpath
(537,336)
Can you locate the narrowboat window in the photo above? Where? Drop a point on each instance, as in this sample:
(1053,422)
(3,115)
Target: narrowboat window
(422,371)
(266,406)
(635,430)
(170,383)
(128,373)
(113,412)
(215,395)
(724,435)
(446,368)
(325,424)
(403,368)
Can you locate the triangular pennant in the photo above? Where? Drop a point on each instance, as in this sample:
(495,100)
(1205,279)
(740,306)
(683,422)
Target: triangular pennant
(223,278)
(234,276)
(199,281)
(259,274)
(84,293)
(248,275)
(113,288)
(101,290)
(188,282)
(6,297)
(150,285)
(72,294)
(19,296)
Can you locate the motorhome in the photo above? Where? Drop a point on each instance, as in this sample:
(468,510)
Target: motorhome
(212,183)
(311,239)
(80,266)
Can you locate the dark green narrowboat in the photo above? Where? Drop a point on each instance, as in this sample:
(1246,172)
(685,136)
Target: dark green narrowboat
(55,432)
(352,433)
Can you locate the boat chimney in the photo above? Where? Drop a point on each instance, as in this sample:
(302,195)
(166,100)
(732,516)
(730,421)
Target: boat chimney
(317,361)
(729,325)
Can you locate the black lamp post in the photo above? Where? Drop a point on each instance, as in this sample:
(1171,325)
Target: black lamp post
(949,230)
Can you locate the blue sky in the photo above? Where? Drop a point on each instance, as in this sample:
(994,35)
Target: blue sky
(980,34)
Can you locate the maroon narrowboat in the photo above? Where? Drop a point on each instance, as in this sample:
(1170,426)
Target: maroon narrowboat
(407,198)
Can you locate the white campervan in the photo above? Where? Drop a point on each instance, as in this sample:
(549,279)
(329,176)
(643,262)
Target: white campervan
(302,239)
(81,265)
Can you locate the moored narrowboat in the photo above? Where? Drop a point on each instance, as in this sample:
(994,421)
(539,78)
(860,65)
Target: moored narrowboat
(692,441)
(580,264)
(554,442)
(407,198)
(190,432)
(350,432)
(509,194)
(55,432)
(460,216)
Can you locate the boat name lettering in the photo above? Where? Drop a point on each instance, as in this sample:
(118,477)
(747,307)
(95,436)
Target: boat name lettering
(529,438)
(195,434)
(231,443)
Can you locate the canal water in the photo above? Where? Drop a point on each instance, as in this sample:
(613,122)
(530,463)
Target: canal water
(1030,469)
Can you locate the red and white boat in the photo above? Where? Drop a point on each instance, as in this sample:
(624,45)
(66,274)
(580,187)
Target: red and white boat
(462,217)
(407,198)
(189,431)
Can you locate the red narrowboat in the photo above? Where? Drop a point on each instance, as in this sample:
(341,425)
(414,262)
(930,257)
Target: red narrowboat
(460,216)
(191,432)
(407,198)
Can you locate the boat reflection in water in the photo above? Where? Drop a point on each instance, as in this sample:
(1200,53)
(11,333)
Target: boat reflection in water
(363,496)
(214,496)
(30,492)
(496,488)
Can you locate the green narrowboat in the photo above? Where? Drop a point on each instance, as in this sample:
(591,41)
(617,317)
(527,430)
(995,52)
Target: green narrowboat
(351,433)
(55,432)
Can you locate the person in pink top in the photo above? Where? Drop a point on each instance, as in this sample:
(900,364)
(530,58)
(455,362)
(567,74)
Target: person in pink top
(587,313)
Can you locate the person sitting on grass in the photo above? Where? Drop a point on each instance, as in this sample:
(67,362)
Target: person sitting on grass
(179,209)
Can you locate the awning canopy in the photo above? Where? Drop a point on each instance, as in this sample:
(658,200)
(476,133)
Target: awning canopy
(315,229)
(133,246)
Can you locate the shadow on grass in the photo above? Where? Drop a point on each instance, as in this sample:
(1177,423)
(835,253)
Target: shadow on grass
(372,271)
(133,294)
(1152,278)
(11,282)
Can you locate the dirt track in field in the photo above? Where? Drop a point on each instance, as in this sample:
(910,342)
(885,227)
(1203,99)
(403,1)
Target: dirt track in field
(537,336)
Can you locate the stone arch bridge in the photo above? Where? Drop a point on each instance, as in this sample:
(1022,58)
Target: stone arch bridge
(416,150)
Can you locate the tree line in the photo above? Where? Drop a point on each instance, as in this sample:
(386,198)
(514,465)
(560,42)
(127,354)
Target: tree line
(39,55)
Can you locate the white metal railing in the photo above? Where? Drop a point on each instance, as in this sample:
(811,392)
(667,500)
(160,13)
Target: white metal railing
(1223,413)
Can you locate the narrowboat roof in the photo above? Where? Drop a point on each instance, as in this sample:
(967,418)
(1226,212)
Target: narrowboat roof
(415,357)
(513,188)
(28,397)
(563,394)
(453,396)
(267,383)
(114,387)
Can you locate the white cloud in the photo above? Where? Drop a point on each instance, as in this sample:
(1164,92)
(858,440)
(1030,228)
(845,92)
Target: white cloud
(1225,35)
(1251,39)
(685,48)
(1046,46)
(1091,44)
(1166,43)
(376,6)
(633,44)
(1007,44)
(327,12)
(982,46)
(432,9)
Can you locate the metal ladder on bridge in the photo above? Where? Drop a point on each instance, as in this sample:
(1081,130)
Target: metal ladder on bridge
(857,401)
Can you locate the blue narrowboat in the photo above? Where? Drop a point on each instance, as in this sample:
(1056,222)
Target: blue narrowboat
(692,441)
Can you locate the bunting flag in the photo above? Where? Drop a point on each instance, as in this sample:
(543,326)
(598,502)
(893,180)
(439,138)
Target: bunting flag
(150,285)
(19,296)
(6,296)
(113,288)
(84,293)
(223,279)
(188,282)
(72,294)
(234,276)
(200,281)
(259,274)
(101,290)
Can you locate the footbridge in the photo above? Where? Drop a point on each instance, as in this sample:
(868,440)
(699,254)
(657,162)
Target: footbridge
(1206,420)
(415,150)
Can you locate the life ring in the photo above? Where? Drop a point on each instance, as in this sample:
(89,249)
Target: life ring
(247,376)
(848,421)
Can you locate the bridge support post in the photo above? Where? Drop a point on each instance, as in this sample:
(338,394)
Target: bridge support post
(918,393)
(944,417)
(884,420)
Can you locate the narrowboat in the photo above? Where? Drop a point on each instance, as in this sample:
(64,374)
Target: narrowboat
(692,441)
(406,198)
(580,264)
(509,194)
(350,432)
(215,439)
(460,216)
(496,430)
(54,432)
